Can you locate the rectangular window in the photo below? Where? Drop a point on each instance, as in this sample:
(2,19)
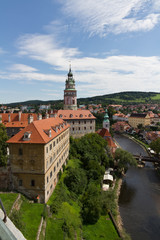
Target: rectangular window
(84,128)
(50,146)
(50,174)
(54,144)
(20,182)
(20,151)
(73,129)
(50,159)
(47,180)
(46,149)
(84,122)
(90,127)
(54,169)
(32,183)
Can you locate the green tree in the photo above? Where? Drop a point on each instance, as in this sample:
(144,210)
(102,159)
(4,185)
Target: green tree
(123,159)
(3,145)
(91,204)
(75,180)
(155,145)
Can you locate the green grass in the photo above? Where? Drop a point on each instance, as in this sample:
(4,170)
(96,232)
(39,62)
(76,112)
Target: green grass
(31,217)
(103,229)
(8,199)
(157,97)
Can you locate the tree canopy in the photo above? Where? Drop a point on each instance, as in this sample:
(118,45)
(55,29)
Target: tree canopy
(155,145)
(123,159)
(3,145)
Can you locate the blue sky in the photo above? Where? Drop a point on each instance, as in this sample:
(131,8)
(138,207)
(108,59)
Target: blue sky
(113,46)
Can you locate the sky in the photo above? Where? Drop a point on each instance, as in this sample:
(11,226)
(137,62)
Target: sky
(112,46)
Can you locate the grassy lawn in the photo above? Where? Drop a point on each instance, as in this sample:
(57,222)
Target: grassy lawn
(31,217)
(103,229)
(8,199)
(157,97)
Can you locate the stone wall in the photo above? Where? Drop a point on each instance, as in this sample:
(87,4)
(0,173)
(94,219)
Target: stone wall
(5,178)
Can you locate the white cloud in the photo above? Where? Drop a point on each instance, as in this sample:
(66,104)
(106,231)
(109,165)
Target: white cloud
(45,48)
(117,16)
(93,75)
(22,68)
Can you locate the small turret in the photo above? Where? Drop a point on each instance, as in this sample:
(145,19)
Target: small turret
(106,122)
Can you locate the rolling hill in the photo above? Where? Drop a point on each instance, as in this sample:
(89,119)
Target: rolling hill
(115,98)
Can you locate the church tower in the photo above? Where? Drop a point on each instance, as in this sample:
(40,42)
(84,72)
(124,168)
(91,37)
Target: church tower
(106,122)
(70,93)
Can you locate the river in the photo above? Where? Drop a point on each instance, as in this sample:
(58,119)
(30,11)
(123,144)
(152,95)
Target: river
(139,200)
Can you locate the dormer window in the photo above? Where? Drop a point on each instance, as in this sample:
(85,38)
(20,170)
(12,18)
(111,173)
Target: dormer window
(90,115)
(27,136)
(81,115)
(71,115)
(49,133)
(60,115)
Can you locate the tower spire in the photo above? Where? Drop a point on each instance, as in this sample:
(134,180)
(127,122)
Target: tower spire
(70,93)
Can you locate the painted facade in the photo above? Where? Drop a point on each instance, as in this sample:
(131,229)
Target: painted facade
(37,155)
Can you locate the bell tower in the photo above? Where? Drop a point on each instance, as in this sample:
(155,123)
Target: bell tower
(70,93)
(106,123)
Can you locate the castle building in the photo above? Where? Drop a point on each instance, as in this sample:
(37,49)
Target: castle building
(37,155)
(15,122)
(70,93)
(81,121)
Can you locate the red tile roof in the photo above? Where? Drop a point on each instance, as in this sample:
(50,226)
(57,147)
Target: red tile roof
(15,117)
(104,132)
(38,131)
(75,114)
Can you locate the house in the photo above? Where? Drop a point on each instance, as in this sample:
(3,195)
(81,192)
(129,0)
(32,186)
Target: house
(37,155)
(136,119)
(120,126)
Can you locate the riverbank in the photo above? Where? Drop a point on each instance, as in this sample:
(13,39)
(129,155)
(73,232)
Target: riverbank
(139,196)
(125,236)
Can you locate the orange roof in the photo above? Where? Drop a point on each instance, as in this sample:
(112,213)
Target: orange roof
(111,143)
(15,117)
(16,124)
(38,131)
(104,132)
(75,114)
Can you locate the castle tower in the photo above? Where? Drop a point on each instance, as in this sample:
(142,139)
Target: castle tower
(106,123)
(70,93)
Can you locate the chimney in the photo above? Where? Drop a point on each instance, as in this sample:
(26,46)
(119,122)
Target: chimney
(30,118)
(47,116)
(19,114)
(9,117)
(39,116)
